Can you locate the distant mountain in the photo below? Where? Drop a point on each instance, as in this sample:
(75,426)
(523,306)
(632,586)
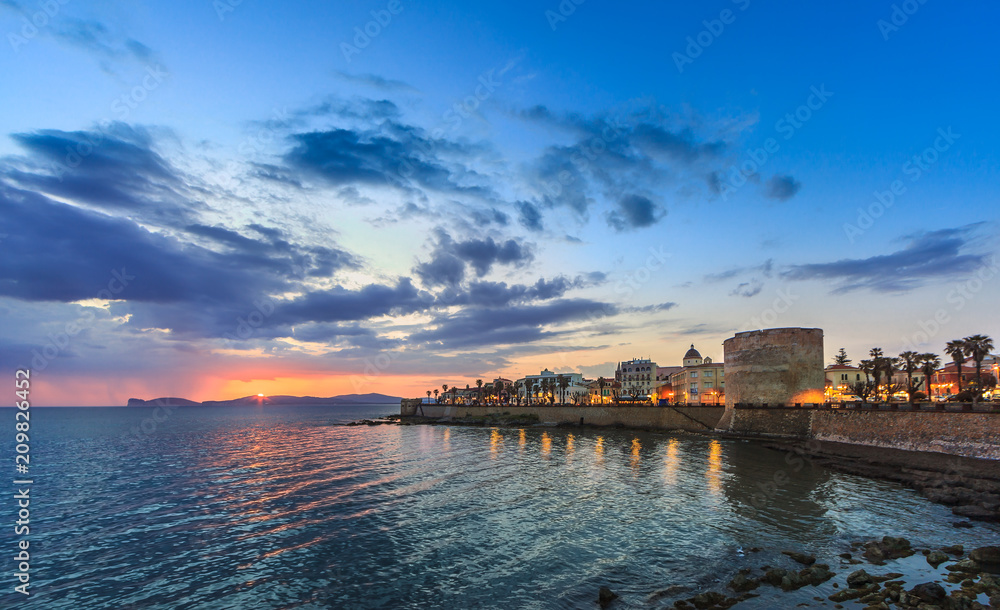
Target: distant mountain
(346,399)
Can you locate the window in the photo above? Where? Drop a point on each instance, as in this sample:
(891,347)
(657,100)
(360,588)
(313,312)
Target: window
(708,373)
(694,374)
(694,388)
(722,372)
(843,376)
(708,384)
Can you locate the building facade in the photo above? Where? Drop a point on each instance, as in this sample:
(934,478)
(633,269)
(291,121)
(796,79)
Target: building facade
(637,378)
(699,381)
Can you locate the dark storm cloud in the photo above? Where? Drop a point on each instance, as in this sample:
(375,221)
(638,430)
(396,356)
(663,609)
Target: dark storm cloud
(340,304)
(481,218)
(635,212)
(449,258)
(113,167)
(529,216)
(508,325)
(782,188)
(929,256)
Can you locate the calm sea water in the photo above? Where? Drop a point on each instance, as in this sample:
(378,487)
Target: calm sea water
(281,507)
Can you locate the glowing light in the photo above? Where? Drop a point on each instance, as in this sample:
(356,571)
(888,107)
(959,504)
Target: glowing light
(260,396)
(569,444)
(495,441)
(672,463)
(546,444)
(714,467)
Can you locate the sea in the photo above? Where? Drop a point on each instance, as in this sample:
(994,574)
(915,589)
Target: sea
(286,507)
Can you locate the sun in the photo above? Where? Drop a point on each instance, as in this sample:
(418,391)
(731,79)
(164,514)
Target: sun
(260,396)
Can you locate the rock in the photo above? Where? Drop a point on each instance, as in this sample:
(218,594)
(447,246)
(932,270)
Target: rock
(708,599)
(986,554)
(774,576)
(817,574)
(875,554)
(849,594)
(962,525)
(976,513)
(800,557)
(929,592)
(936,558)
(605,596)
(845,556)
(859,579)
(957,550)
(966,565)
(742,584)
(668,592)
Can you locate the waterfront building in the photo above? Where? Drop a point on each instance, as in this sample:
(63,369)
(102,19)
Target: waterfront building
(840,378)
(945,380)
(637,378)
(576,385)
(699,381)
(663,389)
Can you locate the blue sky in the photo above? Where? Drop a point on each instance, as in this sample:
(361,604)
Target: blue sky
(587,207)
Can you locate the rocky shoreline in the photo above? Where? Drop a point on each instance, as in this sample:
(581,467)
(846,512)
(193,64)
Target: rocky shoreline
(976,575)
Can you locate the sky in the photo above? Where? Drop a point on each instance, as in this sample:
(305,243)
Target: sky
(211,199)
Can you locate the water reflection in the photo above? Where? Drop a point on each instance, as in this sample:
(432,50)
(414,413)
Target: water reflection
(714,468)
(569,444)
(599,450)
(495,441)
(636,447)
(672,463)
(546,444)
(522,440)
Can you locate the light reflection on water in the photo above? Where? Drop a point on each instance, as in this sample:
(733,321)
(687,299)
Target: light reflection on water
(224,508)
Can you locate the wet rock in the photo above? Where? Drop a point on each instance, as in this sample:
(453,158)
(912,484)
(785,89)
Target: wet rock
(605,596)
(800,557)
(845,556)
(966,565)
(929,592)
(976,513)
(859,579)
(958,550)
(741,584)
(986,555)
(709,599)
(936,558)
(668,592)
(962,524)
(817,574)
(849,594)
(774,576)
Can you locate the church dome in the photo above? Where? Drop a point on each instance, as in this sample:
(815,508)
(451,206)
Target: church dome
(692,353)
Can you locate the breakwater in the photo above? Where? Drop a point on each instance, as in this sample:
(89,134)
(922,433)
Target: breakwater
(699,418)
(974,434)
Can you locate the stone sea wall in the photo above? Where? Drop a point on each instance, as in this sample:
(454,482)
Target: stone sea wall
(963,433)
(694,418)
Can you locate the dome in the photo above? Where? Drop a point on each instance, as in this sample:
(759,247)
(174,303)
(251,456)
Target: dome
(692,353)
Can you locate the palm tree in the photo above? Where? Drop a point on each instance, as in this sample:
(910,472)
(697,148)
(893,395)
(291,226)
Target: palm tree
(435,394)
(877,367)
(978,347)
(428,394)
(956,349)
(444,390)
(517,392)
(928,364)
(910,364)
(479,384)
(841,358)
(601,383)
(563,385)
(890,366)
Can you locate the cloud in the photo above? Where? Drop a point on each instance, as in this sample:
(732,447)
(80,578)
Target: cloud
(450,258)
(508,325)
(377,82)
(782,188)
(656,308)
(529,216)
(927,257)
(747,289)
(635,212)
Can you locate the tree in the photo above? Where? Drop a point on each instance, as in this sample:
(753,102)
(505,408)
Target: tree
(444,391)
(517,392)
(877,367)
(910,364)
(956,349)
(928,364)
(978,347)
(428,394)
(479,384)
(889,368)
(601,383)
(563,386)
(863,389)
(841,358)
(435,394)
